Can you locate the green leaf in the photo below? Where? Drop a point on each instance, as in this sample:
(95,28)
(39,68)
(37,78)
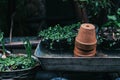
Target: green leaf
(28,47)
(112,17)
(1,36)
(107,24)
(69,39)
(118,11)
(96,4)
(118,24)
(12,62)
(2,42)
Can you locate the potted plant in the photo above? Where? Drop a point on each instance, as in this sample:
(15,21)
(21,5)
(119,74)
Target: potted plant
(58,37)
(109,33)
(17,65)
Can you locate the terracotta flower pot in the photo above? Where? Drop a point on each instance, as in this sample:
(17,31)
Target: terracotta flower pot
(79,45)
(84,53)
(86,34)
(85,41)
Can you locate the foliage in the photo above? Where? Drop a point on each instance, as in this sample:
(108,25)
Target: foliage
(109,33)
(94,8)
(2,42)
(15,63)
(58,33)
(28,48)
(113,20)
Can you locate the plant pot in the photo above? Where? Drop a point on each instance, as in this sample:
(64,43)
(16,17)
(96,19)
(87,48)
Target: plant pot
(87,34)
(79,45)
(28,73)
(85,41)
(84,53)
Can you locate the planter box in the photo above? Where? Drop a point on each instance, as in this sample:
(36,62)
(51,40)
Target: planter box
(104,61)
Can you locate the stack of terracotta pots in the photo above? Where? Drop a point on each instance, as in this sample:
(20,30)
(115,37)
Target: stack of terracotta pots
(85,41)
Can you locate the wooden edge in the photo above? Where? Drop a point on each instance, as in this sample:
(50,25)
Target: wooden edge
(20,44)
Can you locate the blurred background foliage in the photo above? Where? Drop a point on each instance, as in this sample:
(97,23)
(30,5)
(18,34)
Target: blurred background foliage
(3,15)
(28,17)
(17,13)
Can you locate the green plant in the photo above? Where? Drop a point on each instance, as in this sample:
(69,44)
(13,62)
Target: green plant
(18,62)
(91,9)
(58,33)
(95,6)
(28,48)
(3,44)
(113,20)
(109,33)
(15,63)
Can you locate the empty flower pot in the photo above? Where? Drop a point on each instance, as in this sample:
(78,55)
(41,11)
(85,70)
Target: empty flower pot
(85,41)
(79,45)
(86,34)
(84,53)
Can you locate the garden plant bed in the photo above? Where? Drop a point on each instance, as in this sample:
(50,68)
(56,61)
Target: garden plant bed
(17,65)
(20,73)
(103,61)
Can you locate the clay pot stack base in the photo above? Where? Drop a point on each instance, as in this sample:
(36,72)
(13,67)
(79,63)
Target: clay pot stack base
(84,53)
(85,42)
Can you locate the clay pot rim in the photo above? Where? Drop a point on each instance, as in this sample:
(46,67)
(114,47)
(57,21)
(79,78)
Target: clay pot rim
(93,43)
(80,55)
(91,55)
